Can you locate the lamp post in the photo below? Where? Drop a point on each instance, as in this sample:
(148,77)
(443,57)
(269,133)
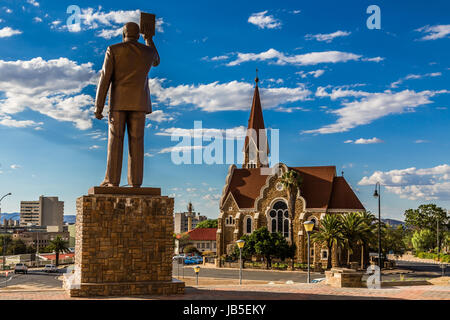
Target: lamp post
(197,270)
(377,194)
(4,248)
(240,244)
(309,226)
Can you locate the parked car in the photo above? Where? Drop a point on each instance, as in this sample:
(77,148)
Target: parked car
(317,280)
(50,268)
(193,260)
(20,268)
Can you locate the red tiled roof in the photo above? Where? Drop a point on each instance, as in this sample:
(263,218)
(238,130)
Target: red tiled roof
(61,255)
(343,196)
(205,234)
(317,183)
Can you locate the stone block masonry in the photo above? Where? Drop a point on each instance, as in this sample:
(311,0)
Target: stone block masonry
(124,246)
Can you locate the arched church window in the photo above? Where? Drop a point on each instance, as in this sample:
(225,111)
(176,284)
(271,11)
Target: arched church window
(248,225)
(279,218)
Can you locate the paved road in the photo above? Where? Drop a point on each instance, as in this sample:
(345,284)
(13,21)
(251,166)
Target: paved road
(421,270)
(34,278)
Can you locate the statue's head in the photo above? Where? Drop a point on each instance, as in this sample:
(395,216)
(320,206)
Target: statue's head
(130,31)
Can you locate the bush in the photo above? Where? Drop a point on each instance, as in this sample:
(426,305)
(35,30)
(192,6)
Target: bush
(190,249)
(429,255)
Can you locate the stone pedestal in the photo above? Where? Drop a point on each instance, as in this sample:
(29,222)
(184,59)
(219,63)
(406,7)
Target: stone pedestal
(343,278)
(124,244)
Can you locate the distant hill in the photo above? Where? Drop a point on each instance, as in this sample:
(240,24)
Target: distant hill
(12,215)
(69,219)
(393,222)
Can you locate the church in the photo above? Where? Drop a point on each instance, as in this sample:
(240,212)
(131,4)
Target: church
(251,200)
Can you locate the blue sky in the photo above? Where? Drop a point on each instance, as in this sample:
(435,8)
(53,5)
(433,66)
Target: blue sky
(374,103)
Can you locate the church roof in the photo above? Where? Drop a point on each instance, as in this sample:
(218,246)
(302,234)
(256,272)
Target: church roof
(342,196)
(321,188)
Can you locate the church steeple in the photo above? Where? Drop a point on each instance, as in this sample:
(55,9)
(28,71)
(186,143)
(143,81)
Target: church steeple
(256,147)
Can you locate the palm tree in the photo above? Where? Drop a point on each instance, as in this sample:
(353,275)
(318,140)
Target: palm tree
(58,245)
(368,236)
(291,181)
(329,234)
(353,229)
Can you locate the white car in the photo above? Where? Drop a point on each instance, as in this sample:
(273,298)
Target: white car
(50,268)
(21,268)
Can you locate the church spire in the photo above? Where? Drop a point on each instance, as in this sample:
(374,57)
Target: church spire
(256,147)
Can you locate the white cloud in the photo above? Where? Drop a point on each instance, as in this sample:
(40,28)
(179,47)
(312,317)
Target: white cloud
(7,121)
(414,76)
(218,58)
(94,147)
(33,3)
(8,10)
(328,37)
(228,96)
(414,184)
(37,19)
(110,23)
(421,141)
(159,116)
(280,58)
(232,133)
(372,107)
(15,166)
(264,21)
(314,73)
(435,32)
(50,87)
(364,141)
(8,32)
(180,149)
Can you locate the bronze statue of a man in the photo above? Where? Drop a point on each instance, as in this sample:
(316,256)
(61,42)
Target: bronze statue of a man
(126,69)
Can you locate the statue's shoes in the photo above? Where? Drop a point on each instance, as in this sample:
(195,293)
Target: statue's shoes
(106,184)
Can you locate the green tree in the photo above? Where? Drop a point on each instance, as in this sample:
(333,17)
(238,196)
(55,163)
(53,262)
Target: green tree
(209,223)
(393,240)
(191,249)
(423,240)
(427,216)
(291,181)
(248,250)
(270,245)
(329,234)
(5,242)
(368,236)
(58,245)
(183,241)
(17,247)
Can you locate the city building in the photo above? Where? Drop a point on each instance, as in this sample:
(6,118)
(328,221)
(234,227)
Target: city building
(39,238)
(204,239)
(252,199)
(47,211)
(186,221)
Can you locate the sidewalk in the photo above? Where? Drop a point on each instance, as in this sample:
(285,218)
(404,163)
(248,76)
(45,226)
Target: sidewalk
(265,291)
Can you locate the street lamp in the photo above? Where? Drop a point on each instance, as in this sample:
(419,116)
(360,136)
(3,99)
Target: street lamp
(240,244)
(377,194)
(197,270)
(309,226)
(8,194)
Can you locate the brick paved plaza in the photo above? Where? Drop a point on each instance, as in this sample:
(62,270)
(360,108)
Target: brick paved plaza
(265,292)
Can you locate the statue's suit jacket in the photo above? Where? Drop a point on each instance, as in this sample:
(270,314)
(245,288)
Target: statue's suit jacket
(126,67)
